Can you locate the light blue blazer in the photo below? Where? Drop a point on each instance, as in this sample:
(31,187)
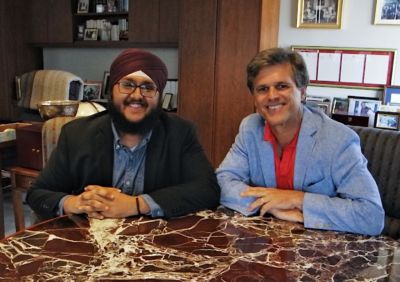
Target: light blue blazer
(340,193)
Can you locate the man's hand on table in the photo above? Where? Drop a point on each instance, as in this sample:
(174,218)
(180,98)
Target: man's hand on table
(103,202)
(283,204)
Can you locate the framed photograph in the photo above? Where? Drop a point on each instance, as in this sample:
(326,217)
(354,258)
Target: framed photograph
(319,13)
(91,90)
(387,12)
(340,106)
(391,95)
(106,90)
(387,120)
(166,102)
(364,106)
(83,6)
(90,34)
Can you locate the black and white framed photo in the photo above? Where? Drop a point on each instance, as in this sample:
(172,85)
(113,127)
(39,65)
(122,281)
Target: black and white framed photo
(91,90)
(387,120)
(83,6)
(106,90)
(387,12)
(319,13)
(90,34)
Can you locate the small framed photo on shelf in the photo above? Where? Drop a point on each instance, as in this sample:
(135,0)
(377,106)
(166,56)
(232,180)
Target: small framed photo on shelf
(90,34)
(166,102)
(340,106)
(391,95)
(387,12)
(91,90)
(387,120)
(319,14)
(363,106)
(83,6)
(106,91)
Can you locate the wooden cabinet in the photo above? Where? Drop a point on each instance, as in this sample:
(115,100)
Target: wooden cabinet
(29,146)
(217,40)
(50,21)
(153,21)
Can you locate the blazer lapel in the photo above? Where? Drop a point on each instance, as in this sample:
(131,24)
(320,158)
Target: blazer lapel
(104,160)
(304,148)
(267,163)
(154,158)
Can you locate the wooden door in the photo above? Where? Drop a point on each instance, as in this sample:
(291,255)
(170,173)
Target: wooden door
(197,40)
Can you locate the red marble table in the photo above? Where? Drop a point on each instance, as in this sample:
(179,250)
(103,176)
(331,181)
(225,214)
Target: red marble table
(207,246)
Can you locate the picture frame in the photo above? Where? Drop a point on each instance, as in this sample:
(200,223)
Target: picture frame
(387,120)
(387,12)
(167,101)
(361,106)
(319,14)
(391,95)
(90,34)
(83,6)
(364,106)
(340,106)
(323,103)
(106,90)
(91,90)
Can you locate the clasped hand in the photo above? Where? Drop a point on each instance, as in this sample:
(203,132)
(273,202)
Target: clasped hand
(283,204)
(101,202)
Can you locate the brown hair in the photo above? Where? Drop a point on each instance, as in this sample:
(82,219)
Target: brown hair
(276,56)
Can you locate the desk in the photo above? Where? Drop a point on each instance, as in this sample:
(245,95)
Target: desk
(207,246)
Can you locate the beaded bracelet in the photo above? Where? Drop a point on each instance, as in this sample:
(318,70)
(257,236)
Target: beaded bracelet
(138,206)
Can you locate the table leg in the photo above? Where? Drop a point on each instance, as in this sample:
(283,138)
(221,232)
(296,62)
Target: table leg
(18,206)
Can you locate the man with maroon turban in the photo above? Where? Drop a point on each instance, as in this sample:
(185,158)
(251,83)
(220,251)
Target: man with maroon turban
(133,159)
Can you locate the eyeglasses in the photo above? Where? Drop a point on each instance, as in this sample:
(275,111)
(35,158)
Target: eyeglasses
(146,90)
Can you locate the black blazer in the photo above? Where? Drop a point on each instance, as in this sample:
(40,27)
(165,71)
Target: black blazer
(178,175)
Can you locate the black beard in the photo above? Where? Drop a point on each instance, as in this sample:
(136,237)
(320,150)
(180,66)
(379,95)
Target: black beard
(142,127)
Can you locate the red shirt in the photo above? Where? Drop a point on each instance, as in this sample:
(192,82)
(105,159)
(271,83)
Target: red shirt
(284,166)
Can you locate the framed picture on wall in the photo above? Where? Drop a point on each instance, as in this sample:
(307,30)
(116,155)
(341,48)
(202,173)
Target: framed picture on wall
(319,13)
(387,12)
(391,95)
(387,120)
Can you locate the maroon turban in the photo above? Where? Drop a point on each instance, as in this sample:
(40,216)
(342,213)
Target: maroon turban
(132,60)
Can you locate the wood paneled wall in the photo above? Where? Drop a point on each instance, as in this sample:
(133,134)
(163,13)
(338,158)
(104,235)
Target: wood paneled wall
(16,56)
(217,40)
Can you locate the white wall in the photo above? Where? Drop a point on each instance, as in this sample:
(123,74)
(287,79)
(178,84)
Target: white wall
(90,63)
(357,30)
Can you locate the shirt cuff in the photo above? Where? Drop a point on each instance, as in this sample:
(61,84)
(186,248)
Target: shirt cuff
(155,209)
(61,205)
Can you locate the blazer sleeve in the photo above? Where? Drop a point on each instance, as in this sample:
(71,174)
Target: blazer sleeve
(53,182)
(357,206)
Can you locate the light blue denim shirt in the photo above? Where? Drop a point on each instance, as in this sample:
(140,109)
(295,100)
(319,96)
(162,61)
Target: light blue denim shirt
(128,173)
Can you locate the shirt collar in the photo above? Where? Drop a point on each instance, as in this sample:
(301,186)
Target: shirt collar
(269,136)
(117,140)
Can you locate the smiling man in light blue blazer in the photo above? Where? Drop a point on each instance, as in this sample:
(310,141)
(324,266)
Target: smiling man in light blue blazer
(294,162)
